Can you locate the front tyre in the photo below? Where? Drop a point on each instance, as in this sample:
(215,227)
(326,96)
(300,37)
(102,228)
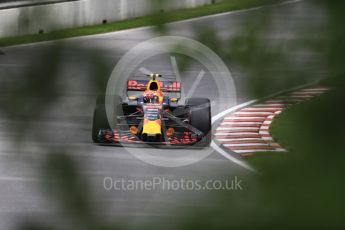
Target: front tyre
(200,118)
(100,121)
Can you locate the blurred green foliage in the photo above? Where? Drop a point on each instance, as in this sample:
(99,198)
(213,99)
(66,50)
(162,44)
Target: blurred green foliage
(157,19)
(302,188)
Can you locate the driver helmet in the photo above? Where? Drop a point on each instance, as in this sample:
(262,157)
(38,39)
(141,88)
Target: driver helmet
(151,97)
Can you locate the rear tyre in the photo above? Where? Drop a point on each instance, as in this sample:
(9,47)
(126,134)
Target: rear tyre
(200,118)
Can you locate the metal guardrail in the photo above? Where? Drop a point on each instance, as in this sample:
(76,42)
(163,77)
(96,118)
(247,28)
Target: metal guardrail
(8,4)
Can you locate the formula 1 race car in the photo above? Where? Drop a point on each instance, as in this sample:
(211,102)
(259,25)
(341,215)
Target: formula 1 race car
(151,114)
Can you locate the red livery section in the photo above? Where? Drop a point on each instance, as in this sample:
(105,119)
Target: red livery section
(167,86)
(115,137)
(136,85)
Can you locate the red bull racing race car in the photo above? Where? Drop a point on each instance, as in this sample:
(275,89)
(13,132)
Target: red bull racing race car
(151,113)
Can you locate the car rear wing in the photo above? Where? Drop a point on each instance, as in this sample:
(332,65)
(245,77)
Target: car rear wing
(166,86)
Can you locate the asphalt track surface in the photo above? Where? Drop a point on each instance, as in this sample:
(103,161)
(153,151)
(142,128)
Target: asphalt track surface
(69,124)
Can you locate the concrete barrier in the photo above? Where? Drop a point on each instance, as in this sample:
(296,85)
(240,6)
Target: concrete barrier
(45,18)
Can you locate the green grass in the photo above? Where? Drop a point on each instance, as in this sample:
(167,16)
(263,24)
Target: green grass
(263,160)
(154,19)
(312,127)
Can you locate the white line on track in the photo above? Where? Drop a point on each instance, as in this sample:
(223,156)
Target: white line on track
(252,109)
(274,105)
(258,150)
(234,134)
(240,123)
(247,144)
(253,113)
(243,118)
(239,139)
(239,128)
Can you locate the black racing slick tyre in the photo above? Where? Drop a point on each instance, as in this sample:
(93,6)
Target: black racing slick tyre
(100,121)
(200,118)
